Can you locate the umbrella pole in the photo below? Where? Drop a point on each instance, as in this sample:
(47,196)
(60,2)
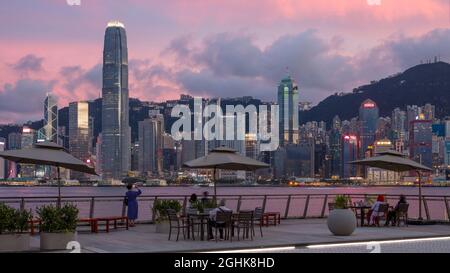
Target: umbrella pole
(215,185)
(59,188)
(420,195)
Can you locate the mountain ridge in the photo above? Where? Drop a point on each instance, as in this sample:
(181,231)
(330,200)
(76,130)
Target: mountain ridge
(418,85)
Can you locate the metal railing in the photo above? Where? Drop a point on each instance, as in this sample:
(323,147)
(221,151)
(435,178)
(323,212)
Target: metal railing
(295,206)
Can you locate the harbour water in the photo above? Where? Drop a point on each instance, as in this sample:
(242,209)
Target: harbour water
(109,200)
(113,191)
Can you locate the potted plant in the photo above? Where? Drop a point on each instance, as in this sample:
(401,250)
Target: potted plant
(342,220)
(201,206)
(14,234)
(162,220)
(58,226)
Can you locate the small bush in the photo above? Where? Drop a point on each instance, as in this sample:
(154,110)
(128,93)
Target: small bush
(54,219)
(341,202)
(13,220)
(161,205)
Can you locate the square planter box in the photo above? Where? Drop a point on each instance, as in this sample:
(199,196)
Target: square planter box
(162,227)
(56,241)
(14,242)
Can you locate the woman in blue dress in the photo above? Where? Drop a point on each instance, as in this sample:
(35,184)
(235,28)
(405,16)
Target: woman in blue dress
(132,203)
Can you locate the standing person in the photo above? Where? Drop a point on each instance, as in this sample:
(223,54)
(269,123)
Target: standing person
(392,215)
(132,203)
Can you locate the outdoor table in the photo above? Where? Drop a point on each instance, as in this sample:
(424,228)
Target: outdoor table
(273,217)
(203,217)
(362,212)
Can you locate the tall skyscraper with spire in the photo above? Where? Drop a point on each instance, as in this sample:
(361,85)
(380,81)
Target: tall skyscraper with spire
(288,116)
(116,132)
(50,129)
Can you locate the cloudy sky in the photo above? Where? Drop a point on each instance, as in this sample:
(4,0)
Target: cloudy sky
(212,47)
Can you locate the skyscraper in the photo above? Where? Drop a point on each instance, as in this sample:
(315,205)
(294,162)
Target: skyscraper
(28,139)
(420,141)
(2,161)
(151,145)
(14,143)
(288,116)
(349,153)
(399,120)
(50,129)
(116,132)
(412,112)
(368,118)
(79,133)
(335,151)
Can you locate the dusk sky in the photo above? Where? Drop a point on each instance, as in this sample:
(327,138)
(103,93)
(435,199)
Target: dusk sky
(211,47)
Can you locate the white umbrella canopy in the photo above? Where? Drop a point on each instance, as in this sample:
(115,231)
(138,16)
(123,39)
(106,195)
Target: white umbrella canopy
(50,154)
(226,159)
(395,161)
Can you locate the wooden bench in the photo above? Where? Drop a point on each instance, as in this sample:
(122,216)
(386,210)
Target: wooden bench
(114,220)
(93,223)
(32,223)
(273,218)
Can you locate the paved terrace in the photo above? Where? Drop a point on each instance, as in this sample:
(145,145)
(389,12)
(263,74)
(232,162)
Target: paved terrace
(142,238)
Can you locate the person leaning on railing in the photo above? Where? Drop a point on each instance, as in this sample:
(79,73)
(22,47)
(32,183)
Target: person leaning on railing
(132,203)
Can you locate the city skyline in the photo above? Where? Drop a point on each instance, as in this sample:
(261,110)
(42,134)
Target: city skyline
(182,49)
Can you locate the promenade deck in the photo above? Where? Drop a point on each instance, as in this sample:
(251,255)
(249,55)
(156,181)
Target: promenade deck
(142,238)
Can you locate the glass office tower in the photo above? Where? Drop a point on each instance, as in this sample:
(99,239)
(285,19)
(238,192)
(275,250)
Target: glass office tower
(288,116)
(116,133)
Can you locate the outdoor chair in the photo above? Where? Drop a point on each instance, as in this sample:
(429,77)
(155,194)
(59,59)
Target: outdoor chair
(192,221)
(331,206)
(402,214)
(382,213)
(177,223)
(223,221)
(258,220)
(357,213)
(244,221)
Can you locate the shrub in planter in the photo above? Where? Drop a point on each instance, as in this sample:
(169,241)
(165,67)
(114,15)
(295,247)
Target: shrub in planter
(341,221)
(201,206)
(58,226)
(161,219)
(14,229)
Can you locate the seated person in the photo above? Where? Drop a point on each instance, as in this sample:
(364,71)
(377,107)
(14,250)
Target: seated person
(192,200)
(375,210)
(212,219)
(392,215)
(205,198)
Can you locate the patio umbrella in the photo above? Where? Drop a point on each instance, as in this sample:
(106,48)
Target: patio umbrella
(226,159)
(395,161)
(50,154)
